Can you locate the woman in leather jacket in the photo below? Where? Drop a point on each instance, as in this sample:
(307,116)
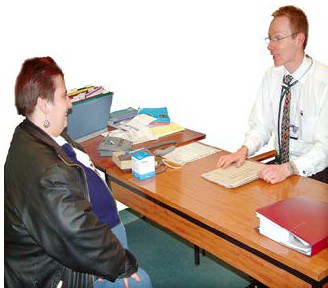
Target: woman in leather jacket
(52,237)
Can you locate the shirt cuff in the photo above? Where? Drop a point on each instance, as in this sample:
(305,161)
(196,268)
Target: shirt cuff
(303,167)
(251,149)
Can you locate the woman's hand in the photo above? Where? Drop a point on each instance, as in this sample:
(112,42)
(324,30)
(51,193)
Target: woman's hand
(134,276)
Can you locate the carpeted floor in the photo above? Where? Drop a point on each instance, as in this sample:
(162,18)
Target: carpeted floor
(169,260)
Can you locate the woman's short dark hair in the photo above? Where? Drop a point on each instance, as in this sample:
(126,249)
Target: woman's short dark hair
(36,79)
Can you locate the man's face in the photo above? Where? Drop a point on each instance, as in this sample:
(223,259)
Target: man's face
(58,109)
(284,45)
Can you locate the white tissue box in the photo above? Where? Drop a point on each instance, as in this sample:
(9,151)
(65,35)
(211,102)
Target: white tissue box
(143,165)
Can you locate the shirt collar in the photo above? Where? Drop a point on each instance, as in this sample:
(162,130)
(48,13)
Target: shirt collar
(301,73)
(59,140)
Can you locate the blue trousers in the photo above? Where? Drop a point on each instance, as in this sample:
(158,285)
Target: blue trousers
(145,281)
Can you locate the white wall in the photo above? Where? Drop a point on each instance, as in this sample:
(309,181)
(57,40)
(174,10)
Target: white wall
(186,55)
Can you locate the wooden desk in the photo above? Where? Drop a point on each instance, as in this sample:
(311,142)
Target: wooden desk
(222,220)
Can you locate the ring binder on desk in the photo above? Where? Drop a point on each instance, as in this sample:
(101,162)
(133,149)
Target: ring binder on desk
(299,223)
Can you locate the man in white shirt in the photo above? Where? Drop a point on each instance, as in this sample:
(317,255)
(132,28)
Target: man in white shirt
(308,133)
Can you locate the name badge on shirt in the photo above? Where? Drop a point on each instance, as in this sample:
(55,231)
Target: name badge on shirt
(293,132)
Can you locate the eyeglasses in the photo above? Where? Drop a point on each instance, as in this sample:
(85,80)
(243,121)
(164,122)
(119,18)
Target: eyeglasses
(277,39)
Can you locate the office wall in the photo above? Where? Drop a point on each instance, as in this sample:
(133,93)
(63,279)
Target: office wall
(204,60)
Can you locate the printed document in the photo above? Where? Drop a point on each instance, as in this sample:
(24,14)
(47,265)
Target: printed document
(190,152)
(135,130)
(232,176)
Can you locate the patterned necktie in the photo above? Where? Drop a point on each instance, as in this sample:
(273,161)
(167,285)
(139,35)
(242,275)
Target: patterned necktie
(285,123)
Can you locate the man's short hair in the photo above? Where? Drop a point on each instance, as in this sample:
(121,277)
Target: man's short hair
(297,19)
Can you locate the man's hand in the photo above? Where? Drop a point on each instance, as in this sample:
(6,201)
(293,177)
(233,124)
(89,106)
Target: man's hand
(277,173)
(238,157)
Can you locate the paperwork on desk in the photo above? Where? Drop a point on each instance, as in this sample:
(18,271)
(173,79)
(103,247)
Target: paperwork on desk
(190,152)
(163,130)
(138,129)
(135,130)
(232,177)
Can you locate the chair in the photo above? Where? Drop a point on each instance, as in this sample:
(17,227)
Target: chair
(264,156)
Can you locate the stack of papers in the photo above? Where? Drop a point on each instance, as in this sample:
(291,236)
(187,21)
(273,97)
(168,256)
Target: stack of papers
(135,130)
(160,131)
(232,176)
(138,131)
(190,152)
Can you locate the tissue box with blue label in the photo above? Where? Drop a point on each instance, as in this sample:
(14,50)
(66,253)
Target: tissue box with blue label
(143,165)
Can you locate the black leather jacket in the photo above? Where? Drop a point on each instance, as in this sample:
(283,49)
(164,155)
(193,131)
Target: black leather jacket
(51,234)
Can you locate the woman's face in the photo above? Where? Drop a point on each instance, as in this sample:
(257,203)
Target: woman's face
(58,109)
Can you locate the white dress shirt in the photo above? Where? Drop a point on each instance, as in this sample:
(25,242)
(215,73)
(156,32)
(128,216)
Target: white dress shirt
(308,115)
